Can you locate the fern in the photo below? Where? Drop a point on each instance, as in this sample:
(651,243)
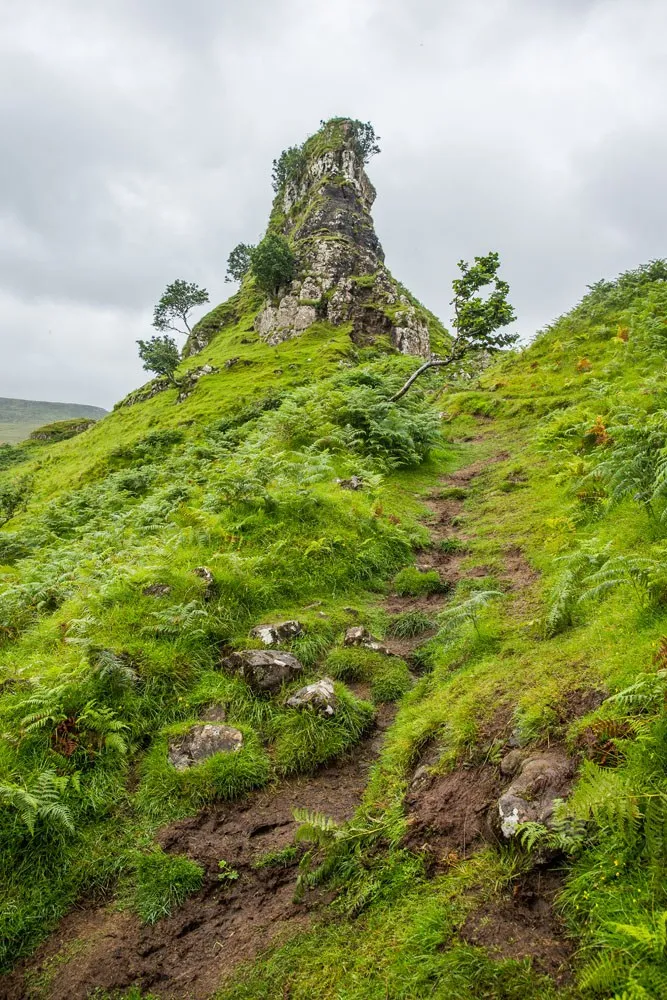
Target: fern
(467,612)
(42,801)
(566,592)
(643,574)
(608,797)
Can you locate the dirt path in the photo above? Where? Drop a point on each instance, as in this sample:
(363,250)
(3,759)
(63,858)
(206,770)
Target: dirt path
(188,954)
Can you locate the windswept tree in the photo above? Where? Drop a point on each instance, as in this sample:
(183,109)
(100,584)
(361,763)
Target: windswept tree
(239,262)
(176,304)
(161,356)
(478,319)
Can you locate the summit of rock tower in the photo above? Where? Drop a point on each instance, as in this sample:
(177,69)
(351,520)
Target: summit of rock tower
(322,208)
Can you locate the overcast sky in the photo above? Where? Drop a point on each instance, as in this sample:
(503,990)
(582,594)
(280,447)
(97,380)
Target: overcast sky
(138,135)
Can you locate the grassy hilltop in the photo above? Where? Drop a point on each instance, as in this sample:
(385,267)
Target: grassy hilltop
(510,531)
(19,417)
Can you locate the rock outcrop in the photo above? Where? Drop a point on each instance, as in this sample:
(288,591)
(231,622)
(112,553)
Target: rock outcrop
(264,670)
(323,208)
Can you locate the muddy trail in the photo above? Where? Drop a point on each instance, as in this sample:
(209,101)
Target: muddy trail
(192,952)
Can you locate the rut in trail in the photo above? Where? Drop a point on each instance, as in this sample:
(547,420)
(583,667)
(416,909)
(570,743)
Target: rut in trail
(190,953)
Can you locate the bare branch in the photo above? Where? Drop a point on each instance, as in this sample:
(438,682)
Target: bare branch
(431,363)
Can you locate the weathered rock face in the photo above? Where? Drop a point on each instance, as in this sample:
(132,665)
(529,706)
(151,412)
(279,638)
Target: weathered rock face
(342,276)
(277,632)
(264,670)
(318,697)
(538,781)
(201,742)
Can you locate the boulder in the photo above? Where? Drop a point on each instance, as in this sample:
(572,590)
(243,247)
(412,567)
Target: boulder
(353,483)
(539,780)
(357,635)
(264,670)
(202,741)
(318,697)
(277,632)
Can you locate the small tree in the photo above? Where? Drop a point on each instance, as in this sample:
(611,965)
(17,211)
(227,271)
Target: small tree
(161,356)
(289,165)
(176,304)
(273,263)
(239,262)
(477,320)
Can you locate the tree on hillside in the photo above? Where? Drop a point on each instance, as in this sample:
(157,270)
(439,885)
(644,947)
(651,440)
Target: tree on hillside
(176,304)
(161,356)
(273,263)
(239,262)
(477,320)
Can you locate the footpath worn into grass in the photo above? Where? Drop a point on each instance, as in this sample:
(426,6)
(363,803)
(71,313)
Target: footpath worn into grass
(509,545)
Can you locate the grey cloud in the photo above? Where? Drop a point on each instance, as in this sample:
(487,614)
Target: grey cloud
(138,139)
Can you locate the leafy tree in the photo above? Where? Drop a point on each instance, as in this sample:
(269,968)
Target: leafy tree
(176,304)
(366,142)
(273,263)
(289,165)
(239,262)
(161,356)
(477,320)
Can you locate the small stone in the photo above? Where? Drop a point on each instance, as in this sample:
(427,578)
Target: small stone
(277,632)
(201,742)
(357,635)
(353,483)
(318,697)
(204,573)
(264,670)
(156,590)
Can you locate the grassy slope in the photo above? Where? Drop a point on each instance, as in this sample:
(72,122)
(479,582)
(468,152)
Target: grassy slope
(532,650)
(604,361)
(18,417)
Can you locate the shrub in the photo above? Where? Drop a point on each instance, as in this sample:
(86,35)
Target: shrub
(415,582)
(163,882)
(273,263)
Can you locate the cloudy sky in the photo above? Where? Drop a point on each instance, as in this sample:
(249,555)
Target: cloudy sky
(137,139)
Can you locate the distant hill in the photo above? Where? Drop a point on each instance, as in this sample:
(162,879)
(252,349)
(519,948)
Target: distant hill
(18,417)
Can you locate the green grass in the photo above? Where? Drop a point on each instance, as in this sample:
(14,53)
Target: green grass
(162,882)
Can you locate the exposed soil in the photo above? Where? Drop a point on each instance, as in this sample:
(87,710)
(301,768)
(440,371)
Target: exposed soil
(524,924)
(188,954)
(448,812)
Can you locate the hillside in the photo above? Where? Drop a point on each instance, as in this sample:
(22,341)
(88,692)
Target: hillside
(19,417)
(445,775)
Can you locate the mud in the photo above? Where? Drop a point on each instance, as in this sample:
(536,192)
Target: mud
(188,954)
(523,924)
(447,813)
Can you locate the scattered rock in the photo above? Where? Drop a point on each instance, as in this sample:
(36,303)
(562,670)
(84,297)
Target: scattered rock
(318,697)
(539,781)
(264,670)
(357,635)
(230,362)
(156,590)
(201,742)
(277,632)
(190,379)
(353,483)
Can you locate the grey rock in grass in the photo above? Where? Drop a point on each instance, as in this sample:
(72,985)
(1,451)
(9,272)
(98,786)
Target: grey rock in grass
(353,483)
(277,632)
(202,741)
(264,670)
(318,697)
(156,590)
(539,781)
(204,573)
(357,635)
